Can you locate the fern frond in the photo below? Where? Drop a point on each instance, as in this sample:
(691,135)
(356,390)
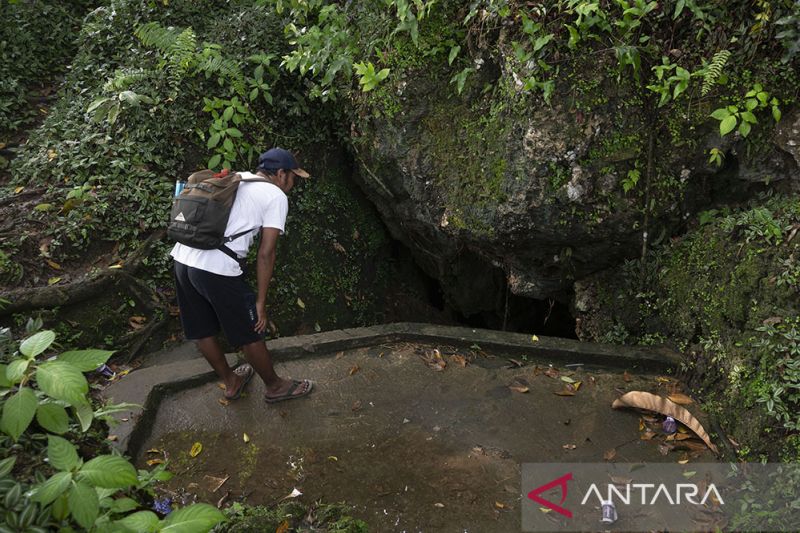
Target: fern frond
(213,63)
(125,78)
(154,35)
(714,70)
(181,53)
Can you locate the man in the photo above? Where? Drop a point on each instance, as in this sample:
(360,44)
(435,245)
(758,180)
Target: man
(212,292)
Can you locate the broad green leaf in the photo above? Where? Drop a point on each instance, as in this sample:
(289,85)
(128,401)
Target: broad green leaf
(744,129)
(4,381)
(727,125)
(62,381)
(227,144)
(36,344)
(383,74)
(124,505)
(214,161)
(776,113)
(53,418)
(86,360)
(254,93)
(16,369)
(6,465)
(109,471)
(213,140)
(143,521)
(85,416)
(228,113)
(83,504)
(60,507)
(116,408)
(721,114)
(191,519)
(52,488)
(747,116)
(18,412)
(453,53)
(233,132)
(61,453)
(113,113)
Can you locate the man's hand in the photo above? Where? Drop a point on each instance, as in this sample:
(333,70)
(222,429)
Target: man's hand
(261,314)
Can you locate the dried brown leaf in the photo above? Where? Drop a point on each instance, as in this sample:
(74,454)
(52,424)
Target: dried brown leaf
(680,399)
(626,377)
(610,454)
(354,369)
(459,360)
(651,402)
(519,388)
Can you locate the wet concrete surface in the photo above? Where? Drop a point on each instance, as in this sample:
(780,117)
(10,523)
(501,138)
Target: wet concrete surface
(409,447)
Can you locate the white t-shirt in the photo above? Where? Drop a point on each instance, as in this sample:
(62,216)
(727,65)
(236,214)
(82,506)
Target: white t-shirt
(257,205)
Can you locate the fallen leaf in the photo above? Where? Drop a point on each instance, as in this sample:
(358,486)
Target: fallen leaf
(610,454)
(223,401)
(294,494)
(517,364)
(152,462)
(53,281)
(519,388)
(626,377)
(551,372)
(19,189)
(221,386)
(567,379)
(356,406)
(641,425)
(118,265)
(648,435)
(339,355)
(544,510)
(283,527)
(354,369)
(460,360)
(112,438)
(651,402)
(662,379)
(245,437)
(197,447)
(684,458)
(439,505)
(53,264)
(500,505)
(569,446)
(51,154)
(333,458)
(153,450)
(574,386)
(565,392)
(300,304)
(534,338)
(339,248)
(680,399)
(434,360)
(137,322)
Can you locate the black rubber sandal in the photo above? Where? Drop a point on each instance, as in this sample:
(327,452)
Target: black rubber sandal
(289,394)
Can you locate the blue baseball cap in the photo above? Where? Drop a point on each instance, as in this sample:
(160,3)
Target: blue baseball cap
(278,158)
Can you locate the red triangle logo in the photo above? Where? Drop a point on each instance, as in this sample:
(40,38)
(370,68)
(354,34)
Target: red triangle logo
(562,482)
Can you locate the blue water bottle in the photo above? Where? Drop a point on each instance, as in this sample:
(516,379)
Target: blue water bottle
(179,185)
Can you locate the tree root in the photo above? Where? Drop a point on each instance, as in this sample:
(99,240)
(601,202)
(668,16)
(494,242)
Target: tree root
(82,289)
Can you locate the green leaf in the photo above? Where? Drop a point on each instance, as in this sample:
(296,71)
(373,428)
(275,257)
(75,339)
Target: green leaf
(254,93)
(213,140)
(727,125)
(62,381)
(15,370)
(53,418)
(214,161)
(86,360)
(61,453)
(84,415)
(4,381)
(83,504)
(124,505)
(18,412)
(744,128)
(776,113)
(747,116)
(453,53)
(233,132)
(109,471)
(6,465)
(228,113)
(721,114)
(197,517)
(52,488)
(113,113)
(36,344)
(143,521)
(382,74)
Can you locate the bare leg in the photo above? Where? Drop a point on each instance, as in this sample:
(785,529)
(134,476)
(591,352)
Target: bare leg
(258,356)
(213,353)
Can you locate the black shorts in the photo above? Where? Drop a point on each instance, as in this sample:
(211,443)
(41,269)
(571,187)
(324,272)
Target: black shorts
(209,301)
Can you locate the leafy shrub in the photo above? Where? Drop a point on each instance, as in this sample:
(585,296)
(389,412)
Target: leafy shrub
(45,411)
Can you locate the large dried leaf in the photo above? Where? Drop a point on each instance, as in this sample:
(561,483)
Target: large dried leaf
(651,402)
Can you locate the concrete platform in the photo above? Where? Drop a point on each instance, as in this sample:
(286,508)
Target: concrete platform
(410,447)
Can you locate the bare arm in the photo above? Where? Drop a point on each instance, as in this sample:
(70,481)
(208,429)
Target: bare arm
(264,268)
